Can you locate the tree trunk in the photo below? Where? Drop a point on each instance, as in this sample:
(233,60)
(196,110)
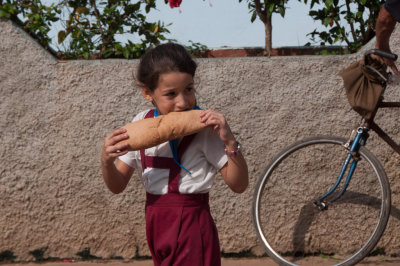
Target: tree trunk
(267,20)
(268,37)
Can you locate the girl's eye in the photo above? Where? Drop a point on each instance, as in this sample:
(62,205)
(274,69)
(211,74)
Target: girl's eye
(170,94)
(189,88)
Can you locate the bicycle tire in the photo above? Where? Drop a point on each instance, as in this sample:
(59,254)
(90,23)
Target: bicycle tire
(291,228)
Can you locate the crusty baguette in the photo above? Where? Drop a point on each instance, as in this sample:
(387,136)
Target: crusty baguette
(151,132)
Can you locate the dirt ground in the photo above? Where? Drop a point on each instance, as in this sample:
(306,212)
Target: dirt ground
(370,261)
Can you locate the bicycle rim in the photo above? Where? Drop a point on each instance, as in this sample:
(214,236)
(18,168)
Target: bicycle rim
(291,227)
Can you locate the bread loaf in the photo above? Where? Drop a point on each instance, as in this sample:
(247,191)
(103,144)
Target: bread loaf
(151,132)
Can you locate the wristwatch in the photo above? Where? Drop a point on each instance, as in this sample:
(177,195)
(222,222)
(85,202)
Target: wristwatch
(230,153)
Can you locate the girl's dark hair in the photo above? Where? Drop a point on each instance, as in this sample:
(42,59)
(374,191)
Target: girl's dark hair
(164,58)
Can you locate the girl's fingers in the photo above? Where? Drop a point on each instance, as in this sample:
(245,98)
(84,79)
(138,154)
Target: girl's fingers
(116,136)
(119,147)
(119,138)
(117,150)
(112,146)
(218,123)
(206,113)
(210,117)
(118,153)
(117,132)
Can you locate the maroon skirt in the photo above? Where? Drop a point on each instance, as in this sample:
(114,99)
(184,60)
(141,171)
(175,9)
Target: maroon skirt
(180,230)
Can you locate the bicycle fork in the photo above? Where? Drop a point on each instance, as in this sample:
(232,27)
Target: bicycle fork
(357,139)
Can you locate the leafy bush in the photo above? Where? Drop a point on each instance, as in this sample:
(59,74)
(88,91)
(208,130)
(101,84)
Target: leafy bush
(90,28)
(350,21)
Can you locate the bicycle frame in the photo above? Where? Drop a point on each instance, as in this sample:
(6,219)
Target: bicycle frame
(352,159)
(353,145)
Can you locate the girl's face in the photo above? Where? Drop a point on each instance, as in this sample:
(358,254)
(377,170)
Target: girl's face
(174,93)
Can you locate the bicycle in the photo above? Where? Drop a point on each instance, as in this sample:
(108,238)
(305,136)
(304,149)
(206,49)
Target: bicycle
(332,216)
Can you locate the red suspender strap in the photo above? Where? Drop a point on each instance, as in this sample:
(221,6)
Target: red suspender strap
(167,162)
(174,174)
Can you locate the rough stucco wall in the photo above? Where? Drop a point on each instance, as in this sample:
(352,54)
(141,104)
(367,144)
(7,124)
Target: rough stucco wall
(55,115)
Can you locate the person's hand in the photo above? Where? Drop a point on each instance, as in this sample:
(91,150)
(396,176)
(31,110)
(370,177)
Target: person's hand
(218,122)
(388,62)
(392,65)
(111,148)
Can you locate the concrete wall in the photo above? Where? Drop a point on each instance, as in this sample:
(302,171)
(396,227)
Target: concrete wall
(55,114)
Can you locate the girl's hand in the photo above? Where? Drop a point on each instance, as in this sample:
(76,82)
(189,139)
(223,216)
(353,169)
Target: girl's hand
(110,150)
(235,172)
(219,124)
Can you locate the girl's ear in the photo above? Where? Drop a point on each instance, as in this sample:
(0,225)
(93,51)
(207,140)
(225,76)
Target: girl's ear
(147,94)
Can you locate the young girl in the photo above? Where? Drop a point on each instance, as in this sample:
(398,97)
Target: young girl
(177,177)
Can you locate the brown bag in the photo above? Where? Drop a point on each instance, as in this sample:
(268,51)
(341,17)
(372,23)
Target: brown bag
(364,86)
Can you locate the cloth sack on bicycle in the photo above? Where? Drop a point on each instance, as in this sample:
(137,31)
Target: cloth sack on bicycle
(364,86)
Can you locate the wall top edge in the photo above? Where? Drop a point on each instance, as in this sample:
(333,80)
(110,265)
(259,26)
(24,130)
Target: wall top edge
(45,52)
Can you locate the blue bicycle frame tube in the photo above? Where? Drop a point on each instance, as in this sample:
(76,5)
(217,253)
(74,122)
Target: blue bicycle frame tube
(344,168)
(354,148)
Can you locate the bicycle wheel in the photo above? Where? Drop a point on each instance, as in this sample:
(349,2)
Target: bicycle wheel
(291,227)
